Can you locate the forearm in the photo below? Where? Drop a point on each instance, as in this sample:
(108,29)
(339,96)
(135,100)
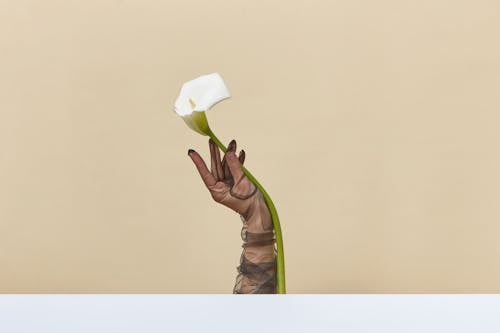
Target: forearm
(257,270)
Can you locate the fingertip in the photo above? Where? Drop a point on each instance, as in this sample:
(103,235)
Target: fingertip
(190,151)
(242,156)
(232,145)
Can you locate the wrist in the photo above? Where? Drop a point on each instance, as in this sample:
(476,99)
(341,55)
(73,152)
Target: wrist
(258,218)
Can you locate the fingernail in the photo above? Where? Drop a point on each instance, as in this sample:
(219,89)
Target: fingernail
(190,151)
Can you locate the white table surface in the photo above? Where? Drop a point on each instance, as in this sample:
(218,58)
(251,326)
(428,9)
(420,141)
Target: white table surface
(123,313)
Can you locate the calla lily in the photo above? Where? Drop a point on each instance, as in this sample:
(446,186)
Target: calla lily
(198,96)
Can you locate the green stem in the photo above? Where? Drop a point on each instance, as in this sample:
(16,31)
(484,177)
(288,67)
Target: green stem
(280,256)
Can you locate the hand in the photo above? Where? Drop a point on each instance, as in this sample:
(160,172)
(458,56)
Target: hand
(226,181)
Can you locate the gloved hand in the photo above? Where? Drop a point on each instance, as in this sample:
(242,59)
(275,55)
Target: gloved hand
(226,181)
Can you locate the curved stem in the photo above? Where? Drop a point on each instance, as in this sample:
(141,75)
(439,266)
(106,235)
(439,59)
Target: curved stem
(280,256)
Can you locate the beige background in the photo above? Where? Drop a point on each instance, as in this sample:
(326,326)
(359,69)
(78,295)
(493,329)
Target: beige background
(372,124)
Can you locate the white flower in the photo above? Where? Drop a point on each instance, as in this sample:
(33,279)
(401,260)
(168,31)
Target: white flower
(201,94)
(197,96)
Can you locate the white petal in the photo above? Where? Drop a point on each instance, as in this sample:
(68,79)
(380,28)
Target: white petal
(205,91)
(182,106)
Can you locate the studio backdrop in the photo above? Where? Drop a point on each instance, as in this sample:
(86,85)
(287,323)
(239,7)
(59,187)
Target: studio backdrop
(374,126)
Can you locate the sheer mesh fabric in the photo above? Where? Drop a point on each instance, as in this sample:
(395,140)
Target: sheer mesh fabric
(256,277)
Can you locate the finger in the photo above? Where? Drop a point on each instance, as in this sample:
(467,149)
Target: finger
(232,144)
(230,147)
(215,160)
(205,174)
(234,166)
(218,164)
(242,157)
